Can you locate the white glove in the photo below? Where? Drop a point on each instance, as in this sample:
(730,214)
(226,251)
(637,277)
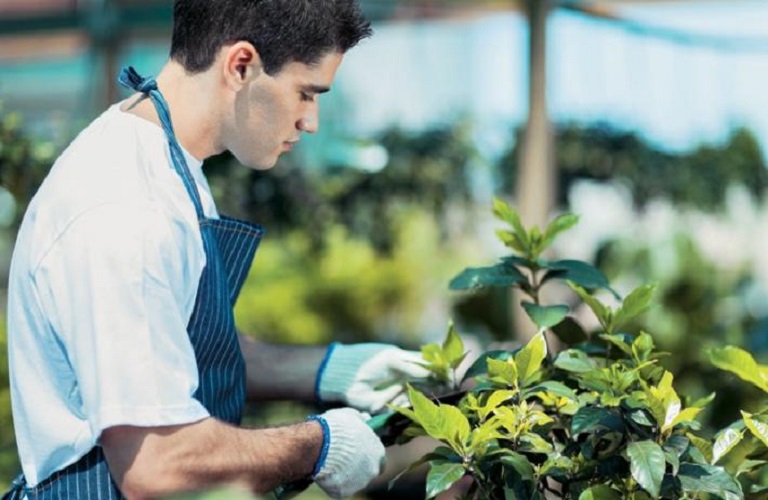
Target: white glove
(352,454)
(368,376)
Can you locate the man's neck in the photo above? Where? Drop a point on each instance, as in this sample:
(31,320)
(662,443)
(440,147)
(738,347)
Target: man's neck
(192,101)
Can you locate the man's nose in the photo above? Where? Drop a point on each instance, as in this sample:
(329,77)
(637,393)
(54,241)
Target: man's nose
(309,122)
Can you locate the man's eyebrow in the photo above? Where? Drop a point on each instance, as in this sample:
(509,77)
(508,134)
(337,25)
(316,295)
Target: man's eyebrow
(316,89)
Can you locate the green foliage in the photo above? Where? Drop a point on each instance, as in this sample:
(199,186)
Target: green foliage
(298,293)
(443,360)
(9,464)
(600,419)
(695,179)
(427,170)
(24,161)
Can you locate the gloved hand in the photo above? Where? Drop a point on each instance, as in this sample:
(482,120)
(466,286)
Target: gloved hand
(368,376)
(352,455)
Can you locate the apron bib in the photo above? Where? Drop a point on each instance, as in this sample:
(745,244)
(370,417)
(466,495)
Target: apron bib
(229,246)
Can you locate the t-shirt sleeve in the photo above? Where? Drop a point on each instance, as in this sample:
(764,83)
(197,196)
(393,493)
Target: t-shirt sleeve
(118,286)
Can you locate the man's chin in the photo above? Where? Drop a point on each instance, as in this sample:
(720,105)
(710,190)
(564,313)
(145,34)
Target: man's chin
(260,164)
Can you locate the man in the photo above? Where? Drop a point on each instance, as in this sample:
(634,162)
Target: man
(127,374)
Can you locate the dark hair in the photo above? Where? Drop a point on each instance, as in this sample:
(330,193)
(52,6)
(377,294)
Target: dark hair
(282,31)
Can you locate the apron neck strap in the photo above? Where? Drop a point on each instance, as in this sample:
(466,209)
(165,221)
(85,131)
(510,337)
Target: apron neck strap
(130,79)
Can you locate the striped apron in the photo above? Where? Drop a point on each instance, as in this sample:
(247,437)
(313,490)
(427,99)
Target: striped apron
(229,249)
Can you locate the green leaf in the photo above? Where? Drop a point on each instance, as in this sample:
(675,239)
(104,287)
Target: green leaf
(647,464)
(574,360)
(702,402)
(533,443)
(701,444)
(672,459)
(503,371)
(600,492)
(643,346)
(545,316)
(511,240)
(634,305)
(555,388)
(699,478)
(441,476)
(453,347)
(757,428)
(578,272)
(687,415)
(427,414)
(560,224)
(505,213)
(483,436)
(519,463)
(455,426)
(602,312)
(618,340)
(530,357)
(480,366)
(480,277)
(595,418)
(493,402)
(725,442)
(740,363)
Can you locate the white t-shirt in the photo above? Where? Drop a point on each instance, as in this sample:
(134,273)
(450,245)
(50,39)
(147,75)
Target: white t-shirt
(102,285)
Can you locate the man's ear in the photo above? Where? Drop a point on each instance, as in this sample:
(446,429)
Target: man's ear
(242,63)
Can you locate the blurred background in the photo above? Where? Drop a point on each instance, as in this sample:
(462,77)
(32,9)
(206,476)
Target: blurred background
(649,119)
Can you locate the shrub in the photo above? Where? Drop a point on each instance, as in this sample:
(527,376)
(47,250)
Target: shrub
(601,419)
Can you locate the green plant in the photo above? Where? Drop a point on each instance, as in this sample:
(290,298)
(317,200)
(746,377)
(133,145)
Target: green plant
(742,447)
(599,420)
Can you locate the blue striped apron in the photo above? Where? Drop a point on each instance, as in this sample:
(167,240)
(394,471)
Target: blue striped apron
(229,249)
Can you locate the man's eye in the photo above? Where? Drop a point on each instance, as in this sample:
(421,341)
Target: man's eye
(307,97)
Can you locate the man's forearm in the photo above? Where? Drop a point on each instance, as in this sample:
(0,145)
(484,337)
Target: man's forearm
(278,372)
(152,462)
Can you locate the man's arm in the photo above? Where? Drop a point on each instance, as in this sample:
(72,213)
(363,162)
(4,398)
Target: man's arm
(280,372)
(147,462)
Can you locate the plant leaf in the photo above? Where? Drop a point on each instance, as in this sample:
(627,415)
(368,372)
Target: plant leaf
(593,418)
(453,347)
(505,213)
(560,224)
(530,357)
(545,316)
(725,441)
(574,360)
(707,478)
(503,371)
(701,444)
(455,426)
(480,366)
(518,462)
(687,415)
(441,476)
(600,492)
(634,305)
(740,363)
(532,442)
(757,428)
(480,277)
(647,464)
(427,414)
(602,312)
(555,388)
(580,273)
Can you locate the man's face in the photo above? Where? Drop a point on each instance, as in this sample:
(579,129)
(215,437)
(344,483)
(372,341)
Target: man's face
(273,111)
